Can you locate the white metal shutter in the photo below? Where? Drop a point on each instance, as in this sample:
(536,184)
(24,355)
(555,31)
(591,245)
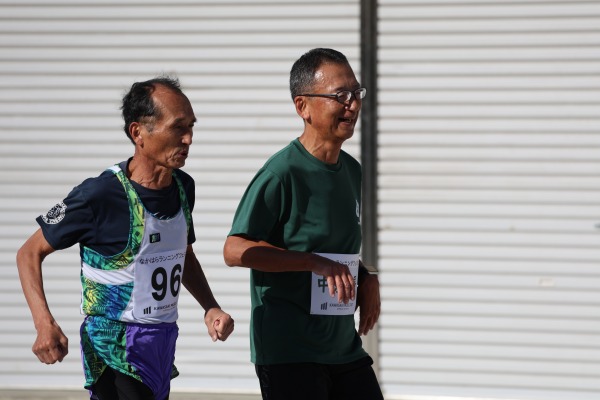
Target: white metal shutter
(63,70)
(489,196)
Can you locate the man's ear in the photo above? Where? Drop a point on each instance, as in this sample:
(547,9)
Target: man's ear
(135,132)
(302,108)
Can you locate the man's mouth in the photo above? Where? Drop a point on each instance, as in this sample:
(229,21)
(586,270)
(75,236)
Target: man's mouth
(347,120)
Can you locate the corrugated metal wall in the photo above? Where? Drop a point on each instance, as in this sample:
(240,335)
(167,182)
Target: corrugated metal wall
(489,186)
(489,196)
(64,67)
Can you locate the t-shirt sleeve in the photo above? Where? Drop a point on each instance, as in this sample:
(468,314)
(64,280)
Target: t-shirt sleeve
(68,222)
(260,208)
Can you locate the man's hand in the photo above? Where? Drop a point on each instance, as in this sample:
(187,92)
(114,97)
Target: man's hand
(338,278)
(219,324)
(51,344)
(369,303)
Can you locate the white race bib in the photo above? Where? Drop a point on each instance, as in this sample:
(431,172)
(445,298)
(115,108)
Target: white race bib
(157,285)
(321,303)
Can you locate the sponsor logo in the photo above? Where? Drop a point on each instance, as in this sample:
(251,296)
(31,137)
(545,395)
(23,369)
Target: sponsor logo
(324,306)
(154,237)
(147,310)
(56,214)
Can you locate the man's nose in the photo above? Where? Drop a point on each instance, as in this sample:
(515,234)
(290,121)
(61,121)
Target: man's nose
(187,138)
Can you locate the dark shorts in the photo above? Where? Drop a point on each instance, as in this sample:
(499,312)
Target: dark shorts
(113,385)
(301,381)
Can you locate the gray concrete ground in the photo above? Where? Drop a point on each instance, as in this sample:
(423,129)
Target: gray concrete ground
(81,395)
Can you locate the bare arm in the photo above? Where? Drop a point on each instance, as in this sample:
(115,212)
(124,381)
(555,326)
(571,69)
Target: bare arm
(369,301)
(219,323)
(51,344)
(260,255)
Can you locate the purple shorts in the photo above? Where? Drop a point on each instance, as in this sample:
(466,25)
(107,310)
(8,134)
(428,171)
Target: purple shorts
(144,351)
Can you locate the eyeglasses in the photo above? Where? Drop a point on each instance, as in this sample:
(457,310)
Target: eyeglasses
(343,97)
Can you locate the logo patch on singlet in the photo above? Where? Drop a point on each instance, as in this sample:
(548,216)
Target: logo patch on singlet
(56,214)
(154,237)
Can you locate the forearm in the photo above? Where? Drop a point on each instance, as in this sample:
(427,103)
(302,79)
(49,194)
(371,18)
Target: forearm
(29,264)
(263,256)
(196,283)
(369,300)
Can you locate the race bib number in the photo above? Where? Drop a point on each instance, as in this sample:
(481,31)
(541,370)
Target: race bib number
(157,285)
(321,303)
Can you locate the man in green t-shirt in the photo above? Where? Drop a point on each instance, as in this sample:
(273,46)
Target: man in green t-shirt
(297,228)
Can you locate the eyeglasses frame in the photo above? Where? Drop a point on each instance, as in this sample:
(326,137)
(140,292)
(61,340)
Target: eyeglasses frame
(336,95)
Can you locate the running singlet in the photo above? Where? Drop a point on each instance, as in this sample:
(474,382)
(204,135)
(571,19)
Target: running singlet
(130,299)
(142,283)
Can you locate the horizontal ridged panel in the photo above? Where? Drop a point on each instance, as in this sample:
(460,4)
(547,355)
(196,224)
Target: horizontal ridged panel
(64,67)
(489,199)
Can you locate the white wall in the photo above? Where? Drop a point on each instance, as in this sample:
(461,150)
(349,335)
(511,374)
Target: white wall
(489,174)
(489,196)
(63,71)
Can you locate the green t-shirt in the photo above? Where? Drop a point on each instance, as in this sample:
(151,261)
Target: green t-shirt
(297,202)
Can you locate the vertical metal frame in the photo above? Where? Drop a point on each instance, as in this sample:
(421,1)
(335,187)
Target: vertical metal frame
(368,140)
(368,143)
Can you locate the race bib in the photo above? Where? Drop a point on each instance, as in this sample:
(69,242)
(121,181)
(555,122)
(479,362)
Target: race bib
(157,285)
(321,303)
